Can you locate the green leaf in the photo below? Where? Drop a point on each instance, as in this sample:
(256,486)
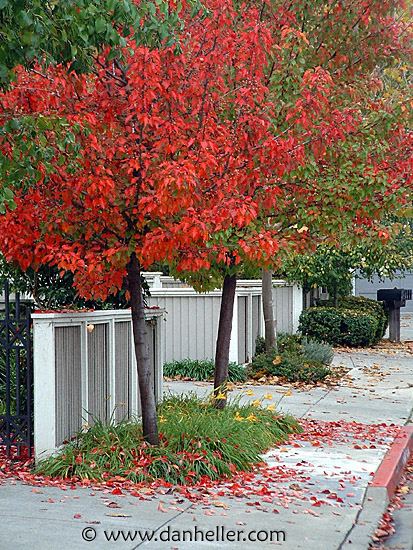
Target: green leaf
(8,194)
(100,24)
(25,19)
(151,8)
(112,54)
(84,35)
(15,124)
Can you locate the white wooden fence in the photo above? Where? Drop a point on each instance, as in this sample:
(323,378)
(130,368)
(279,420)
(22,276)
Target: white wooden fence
(288,305)
(84,362)
(192,318)
(85,368)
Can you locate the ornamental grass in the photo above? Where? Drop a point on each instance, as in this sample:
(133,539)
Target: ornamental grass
(198,442)
(202,369)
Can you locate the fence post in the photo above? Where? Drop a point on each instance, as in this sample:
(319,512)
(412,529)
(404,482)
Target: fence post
(44,388)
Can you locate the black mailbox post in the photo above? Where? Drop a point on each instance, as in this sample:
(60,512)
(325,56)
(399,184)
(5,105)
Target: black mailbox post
(395,298)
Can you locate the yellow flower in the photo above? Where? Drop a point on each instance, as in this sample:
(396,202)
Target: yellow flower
(271,408)
(268,396)
(252,418)
(162,419)
(249,392)
(238,417)
(220,396)
(256,402)
(288,393)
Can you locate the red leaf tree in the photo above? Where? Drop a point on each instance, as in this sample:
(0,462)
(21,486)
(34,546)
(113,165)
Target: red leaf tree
(251,142)
(316,151)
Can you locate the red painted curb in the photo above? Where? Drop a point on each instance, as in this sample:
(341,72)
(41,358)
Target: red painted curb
(390,470)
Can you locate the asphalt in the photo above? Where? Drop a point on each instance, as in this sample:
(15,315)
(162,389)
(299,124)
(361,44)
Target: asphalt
(317,491)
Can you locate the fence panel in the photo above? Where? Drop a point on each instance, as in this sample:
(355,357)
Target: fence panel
(192,318)
(68,384)
(16,429)
(85,369)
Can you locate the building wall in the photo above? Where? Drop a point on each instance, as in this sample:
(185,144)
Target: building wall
(369,289)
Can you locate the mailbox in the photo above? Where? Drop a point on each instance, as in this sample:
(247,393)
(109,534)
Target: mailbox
(395,298)
(394,295)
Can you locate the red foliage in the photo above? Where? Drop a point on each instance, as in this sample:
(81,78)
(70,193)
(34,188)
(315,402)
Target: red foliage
(200,158)
(278,485)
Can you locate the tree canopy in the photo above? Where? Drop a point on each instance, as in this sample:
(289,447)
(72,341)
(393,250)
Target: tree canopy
(268,131)
(75,31)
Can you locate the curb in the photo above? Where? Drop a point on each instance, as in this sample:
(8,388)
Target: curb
(390,470)
(380,491)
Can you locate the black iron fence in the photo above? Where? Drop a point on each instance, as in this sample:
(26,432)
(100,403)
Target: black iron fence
(16,373)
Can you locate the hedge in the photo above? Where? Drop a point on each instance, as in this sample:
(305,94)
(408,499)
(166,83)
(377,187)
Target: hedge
(364,305)
(339,326)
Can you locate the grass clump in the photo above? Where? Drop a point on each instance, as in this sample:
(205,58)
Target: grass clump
(202,370)
(317,351)
(198,442)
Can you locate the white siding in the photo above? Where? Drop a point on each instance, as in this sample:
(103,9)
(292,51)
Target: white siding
(191,322)
(368,289)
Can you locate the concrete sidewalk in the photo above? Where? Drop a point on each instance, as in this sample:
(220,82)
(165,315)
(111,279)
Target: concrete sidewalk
(312,496)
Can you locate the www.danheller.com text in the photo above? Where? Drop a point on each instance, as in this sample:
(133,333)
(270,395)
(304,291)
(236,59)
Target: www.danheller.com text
(220,533)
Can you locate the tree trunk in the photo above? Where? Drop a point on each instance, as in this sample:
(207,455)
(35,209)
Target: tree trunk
(223,340)
(335,296)
(145,377)
(312,299)
(268,310)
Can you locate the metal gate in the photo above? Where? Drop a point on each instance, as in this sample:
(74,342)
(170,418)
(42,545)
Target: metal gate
(16,372)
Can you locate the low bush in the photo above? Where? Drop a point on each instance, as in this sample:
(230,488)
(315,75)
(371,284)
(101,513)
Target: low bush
(259,345)
(364,305)
(202,370)
(296,368)
(198,442)
(297,359)
(289,344)
(338,326)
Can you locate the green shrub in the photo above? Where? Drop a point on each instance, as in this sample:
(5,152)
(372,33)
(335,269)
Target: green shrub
(338,326)
(202,370)
(297,359)
(294,367)
(262,365)
(197,440)
(364,305)
(289,344)
(259,345)
(297,368)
